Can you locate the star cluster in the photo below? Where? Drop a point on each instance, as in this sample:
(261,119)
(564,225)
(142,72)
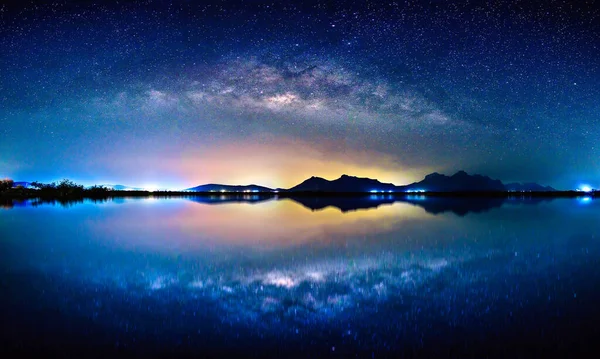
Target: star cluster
(160,91)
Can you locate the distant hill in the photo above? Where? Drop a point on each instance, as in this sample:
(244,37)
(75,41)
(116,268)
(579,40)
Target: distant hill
(229,188)
(528,187)
(120,187)
(343,184)
(461,181)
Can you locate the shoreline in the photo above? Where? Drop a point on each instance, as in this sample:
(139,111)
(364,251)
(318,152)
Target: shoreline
(33,194)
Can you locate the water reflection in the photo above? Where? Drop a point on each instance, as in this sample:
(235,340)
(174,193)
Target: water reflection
(434,205)
(375,274)
(265,224)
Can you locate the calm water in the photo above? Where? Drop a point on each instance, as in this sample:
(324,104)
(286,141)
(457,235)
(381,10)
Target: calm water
(306,277)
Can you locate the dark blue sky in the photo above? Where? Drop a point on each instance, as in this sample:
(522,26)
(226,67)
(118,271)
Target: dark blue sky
(173,94)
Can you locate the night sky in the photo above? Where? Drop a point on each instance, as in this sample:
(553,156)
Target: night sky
(176,94)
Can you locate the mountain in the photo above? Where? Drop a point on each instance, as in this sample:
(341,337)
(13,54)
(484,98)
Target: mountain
(343,184)
(229,188)
(528,187)
(120,187)
(461,181)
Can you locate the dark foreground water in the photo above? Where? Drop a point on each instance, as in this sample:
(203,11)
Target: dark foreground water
(306,277)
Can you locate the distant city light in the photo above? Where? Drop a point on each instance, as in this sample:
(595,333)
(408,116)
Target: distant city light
(149,187)
(416,197)
(586,188)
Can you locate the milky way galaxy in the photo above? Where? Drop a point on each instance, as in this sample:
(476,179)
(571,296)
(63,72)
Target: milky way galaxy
(176,94)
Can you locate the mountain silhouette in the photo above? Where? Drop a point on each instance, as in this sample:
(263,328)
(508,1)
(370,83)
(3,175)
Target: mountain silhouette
(528,187)
(229,188)
(343,184)
(434,182)
(120,187)
(461,181)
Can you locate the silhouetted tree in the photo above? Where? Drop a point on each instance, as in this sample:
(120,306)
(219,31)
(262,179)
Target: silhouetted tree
(43,186)
(69,188)
(97,191)
(6,184)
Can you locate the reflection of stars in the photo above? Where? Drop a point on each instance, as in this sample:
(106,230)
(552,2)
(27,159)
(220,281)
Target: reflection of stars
(317,291)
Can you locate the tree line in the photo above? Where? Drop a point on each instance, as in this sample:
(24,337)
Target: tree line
(63,188)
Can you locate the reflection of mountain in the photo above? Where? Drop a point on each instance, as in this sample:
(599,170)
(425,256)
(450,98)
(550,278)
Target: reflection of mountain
(431,204)
(229,188)
(458,206)
(345,204)
(434,205)
(230,199)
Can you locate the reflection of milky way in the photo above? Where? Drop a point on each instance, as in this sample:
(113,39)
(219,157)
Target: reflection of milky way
(313,292)
(167,271)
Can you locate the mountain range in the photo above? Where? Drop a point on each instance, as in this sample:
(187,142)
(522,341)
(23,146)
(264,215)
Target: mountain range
(528,187)
(120,187)
(343,184)
(461,181)
(229,188)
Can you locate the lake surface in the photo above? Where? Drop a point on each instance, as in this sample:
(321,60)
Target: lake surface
(309,277)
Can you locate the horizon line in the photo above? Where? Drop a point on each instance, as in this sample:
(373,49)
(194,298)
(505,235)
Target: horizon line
(152,187)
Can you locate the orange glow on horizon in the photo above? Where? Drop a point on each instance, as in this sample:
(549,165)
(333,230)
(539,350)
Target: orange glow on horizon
(285,163)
